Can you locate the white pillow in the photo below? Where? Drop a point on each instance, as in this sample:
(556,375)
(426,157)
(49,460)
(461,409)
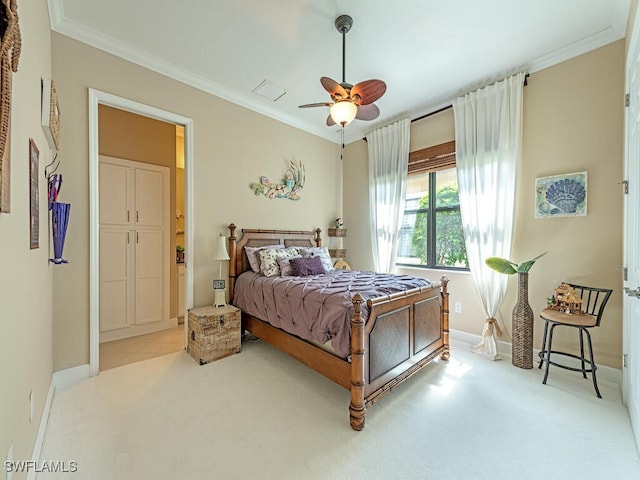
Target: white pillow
(322,252)
(269,259)
(252,255)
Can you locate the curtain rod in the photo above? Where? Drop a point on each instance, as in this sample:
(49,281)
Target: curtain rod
(526,77)
(432,113)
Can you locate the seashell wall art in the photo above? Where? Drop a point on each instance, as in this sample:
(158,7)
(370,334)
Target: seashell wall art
(561,195)
(292,183)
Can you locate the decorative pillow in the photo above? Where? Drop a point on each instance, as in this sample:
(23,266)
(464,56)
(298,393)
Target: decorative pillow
(322,252)
(269,259)
(304,266)
(285,266)
(252,255)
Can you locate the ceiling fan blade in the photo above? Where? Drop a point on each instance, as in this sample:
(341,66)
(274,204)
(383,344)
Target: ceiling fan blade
(368,91)
(321,104)
(368,112)
(330,122)
(334,88)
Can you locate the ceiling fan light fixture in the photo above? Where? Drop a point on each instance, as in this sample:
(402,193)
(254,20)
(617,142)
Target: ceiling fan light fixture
(343,112)
(349,101)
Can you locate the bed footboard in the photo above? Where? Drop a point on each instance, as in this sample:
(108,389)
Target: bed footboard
(403,334)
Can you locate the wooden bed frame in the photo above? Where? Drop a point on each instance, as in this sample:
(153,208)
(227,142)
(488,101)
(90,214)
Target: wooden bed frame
(402,334)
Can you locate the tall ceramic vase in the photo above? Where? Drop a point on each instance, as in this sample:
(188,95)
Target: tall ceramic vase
(522,329)
(59,223)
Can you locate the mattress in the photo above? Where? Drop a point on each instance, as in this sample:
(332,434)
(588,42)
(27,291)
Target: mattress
(317,308)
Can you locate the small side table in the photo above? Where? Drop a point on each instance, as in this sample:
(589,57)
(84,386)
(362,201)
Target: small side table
(214,333)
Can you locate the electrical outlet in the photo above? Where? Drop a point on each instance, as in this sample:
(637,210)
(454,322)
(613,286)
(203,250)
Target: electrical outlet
(31,406)
(8,466)
(457,307)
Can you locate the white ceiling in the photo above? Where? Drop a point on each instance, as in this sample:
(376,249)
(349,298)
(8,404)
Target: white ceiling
(427,51)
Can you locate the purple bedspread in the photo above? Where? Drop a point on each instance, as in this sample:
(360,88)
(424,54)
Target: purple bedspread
(316,307)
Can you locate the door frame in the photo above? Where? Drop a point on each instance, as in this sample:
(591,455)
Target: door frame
(97,97)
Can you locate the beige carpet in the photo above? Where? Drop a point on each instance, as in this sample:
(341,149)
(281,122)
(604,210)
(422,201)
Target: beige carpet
(261,415)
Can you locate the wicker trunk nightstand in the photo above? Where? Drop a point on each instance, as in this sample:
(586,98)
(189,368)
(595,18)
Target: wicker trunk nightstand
(214,332)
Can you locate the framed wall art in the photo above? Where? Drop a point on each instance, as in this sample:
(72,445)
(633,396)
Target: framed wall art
(50,113)
(561,195)
(34,206)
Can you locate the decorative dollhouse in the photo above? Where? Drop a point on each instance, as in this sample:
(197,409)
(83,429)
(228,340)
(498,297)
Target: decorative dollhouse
(566,300)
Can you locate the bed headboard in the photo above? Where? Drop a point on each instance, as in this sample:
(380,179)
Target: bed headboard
(256,238)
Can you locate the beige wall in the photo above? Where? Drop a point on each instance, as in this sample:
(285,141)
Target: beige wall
(233,147)
(142,139)
(25,283)
(573,121)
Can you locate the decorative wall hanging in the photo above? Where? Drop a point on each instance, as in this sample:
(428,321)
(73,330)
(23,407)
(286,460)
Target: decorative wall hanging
(293,182)
(59,211)
(50,114)
(54,180)
(34,207)
(59,223)
(10,46)
(561,195)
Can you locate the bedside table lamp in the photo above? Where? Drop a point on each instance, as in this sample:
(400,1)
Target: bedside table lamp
(220,255)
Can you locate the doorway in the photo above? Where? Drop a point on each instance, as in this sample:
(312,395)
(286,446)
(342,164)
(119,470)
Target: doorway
(97,98)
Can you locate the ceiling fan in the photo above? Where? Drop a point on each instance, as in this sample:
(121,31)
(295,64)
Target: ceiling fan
(349,101)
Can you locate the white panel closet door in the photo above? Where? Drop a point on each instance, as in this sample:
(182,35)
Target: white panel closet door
(134,247)
(115,252)
(149,198)
(149,279)
(115,279)
(115,194)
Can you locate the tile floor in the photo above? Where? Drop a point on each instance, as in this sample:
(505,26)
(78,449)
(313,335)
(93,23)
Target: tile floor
(143,347)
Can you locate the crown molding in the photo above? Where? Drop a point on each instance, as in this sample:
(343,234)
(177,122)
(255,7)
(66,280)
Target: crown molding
(575,49)
(592,42)
(108,44)
(72,29)
(56,12)
(620,16)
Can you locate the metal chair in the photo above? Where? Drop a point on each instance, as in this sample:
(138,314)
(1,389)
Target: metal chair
(593,303)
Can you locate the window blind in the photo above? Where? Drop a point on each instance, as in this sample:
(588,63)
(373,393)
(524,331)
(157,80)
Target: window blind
(431,159)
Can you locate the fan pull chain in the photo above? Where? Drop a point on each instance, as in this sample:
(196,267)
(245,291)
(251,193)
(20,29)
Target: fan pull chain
(342,142)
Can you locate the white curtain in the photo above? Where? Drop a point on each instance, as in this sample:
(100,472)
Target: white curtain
(388,161)
(488,125)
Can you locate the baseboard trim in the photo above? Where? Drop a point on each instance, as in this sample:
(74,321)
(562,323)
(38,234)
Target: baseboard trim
(59,379)
(605,373)
(42,428)
(69,376)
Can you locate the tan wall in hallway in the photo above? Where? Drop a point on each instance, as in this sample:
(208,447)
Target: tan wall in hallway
(573,121)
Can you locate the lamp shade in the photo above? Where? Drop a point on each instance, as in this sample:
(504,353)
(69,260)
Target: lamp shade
(343,112)
(220,252)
